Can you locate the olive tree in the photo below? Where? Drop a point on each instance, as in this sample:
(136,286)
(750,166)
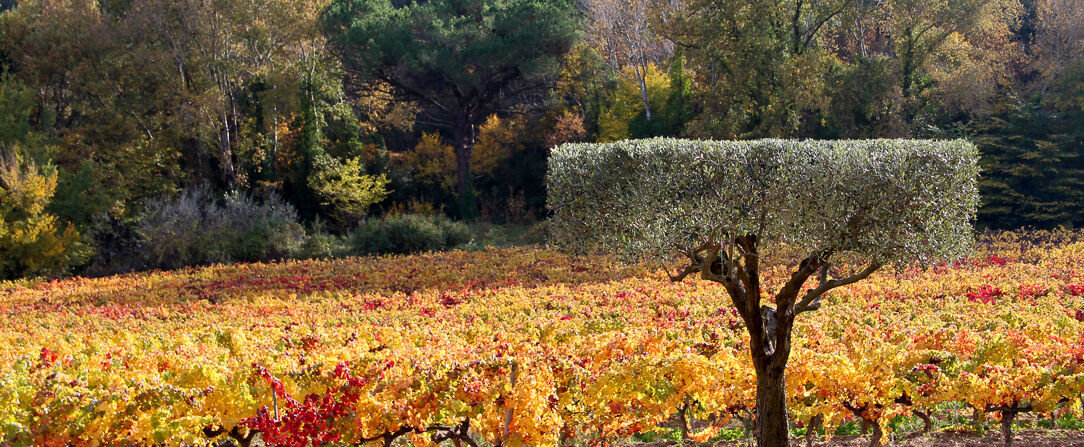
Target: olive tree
(719,204)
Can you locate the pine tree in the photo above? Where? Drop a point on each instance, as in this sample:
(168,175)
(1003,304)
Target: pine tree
(1032,172)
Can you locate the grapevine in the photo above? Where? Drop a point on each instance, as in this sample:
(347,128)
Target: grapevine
(517,347)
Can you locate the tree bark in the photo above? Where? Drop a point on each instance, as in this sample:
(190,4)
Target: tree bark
(769,343)
(683,414)
(875,438)
(927,422)
(464,137)
(225,155)
(1006,426)
(643,97)
(772,423)
(811,431)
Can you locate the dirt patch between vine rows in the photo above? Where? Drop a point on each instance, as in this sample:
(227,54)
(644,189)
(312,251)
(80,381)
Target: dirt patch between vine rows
(1021,438)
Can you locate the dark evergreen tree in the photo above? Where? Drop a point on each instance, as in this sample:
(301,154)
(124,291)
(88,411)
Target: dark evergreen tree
(461,60)
(1032,173)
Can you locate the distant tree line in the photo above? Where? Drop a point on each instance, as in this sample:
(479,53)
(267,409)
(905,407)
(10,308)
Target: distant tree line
(346,109)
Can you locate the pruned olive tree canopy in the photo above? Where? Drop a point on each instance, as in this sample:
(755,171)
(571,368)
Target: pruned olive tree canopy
(715,203)
(885,201)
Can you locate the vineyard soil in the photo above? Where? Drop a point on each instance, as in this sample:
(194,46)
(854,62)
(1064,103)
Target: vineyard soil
(1023,438)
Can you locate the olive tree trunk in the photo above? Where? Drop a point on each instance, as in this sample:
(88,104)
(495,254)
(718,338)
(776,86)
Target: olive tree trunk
(736,265)
(770,349)
(772,423)
(769,330)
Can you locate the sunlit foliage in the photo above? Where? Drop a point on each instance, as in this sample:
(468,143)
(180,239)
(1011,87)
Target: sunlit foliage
(599,352)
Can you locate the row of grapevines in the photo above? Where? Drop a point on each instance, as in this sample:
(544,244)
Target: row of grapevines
(525,348)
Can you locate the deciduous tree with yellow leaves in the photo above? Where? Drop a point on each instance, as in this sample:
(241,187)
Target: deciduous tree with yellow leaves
(32,242)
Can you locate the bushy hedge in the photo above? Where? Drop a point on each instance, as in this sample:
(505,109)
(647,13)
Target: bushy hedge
(408,233)
(888,200)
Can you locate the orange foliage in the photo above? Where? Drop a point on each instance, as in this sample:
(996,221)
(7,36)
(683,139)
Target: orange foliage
(547,345)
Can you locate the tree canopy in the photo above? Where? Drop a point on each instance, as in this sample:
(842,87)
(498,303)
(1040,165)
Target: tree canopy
(461,60)
(881,200)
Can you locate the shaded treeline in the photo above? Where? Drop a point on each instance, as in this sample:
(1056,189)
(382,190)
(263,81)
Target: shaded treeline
(342,109)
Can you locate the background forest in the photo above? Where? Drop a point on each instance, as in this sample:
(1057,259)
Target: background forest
(143,134)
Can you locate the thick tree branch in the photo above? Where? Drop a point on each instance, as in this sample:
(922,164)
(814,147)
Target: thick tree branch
(690,269)
(696,261)
(811,300)
(420,95)
(389,437)
(712,266)
(806,268)
(750,268)
(458,433)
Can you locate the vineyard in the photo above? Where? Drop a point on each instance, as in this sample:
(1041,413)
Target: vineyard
(523,346)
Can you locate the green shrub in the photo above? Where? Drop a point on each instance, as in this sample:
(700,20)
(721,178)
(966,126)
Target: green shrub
(409,233)
(320,244)
(454,233)
(537,233)
(116,246)
(193,229)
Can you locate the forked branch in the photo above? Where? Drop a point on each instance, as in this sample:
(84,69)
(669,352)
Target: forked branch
(696,261)
(458,433)
(811,300)
(807,268)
